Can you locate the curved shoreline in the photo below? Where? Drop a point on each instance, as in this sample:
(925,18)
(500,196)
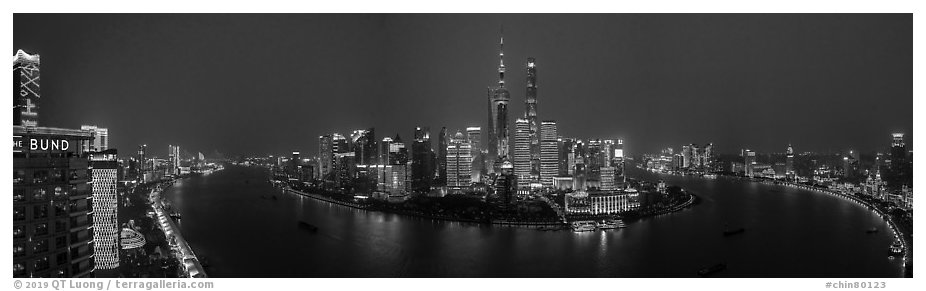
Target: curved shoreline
(527,224)
(898,235)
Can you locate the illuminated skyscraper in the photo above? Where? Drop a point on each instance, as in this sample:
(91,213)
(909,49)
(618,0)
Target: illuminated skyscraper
(104,167)
(26,93)
(617,161)
(549,153)
(459,161)
(442,157)
(422,161)
(530,105)
(789,162)
(498,114)
(750,162)
(474,136)
(173,153)
(100,138)
(398,153)
(522,155)
(325,156)
(52,203)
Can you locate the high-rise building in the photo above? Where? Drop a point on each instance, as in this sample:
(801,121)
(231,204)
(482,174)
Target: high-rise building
(325,156)
(458,158)
(100,138)
(506,184)
(422,161)
(104,167)
(522,155)
(749,162)
(530,113)
(363,144)
(143,168)
(549,153)
(789,162)
(593,152)
(26,93)
(617,161)
(52,213)
(384,146)
(898,154)
(442,157)
(607,178)
(474,136)
(498,114)
(398,153)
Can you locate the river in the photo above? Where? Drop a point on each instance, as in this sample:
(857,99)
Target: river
(229,221)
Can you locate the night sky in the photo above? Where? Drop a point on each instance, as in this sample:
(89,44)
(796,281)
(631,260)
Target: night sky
(270,84)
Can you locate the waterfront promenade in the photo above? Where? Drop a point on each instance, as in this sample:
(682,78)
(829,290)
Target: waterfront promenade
(178,244)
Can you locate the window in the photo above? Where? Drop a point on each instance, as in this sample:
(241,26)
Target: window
(41,211)
(18,268)
(40,246)
(61,225)
(57,176)
(18,250)
(62,259)
(41,229)
(60,208)
(60,192)
(19,213)
(60,242)
(19,195)
(40,176)
(19,176)
(41,264)
(38,194)
(19,231)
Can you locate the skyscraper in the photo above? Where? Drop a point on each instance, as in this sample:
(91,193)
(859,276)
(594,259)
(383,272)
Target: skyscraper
(442,157)
(474,136)
(789,162)
(52,203)
(498,114)
(422,161)
(173,153)
(617,161)
(549,153)
(749,162)
(384,151)
(522,154)
(458,160)
(100,138)
(26,93)
(104,167)
(325,156)
(530,105)
(398,153)
(143,168)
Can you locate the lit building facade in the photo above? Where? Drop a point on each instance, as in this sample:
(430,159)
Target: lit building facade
(100,138)
(549,153)
(104,167)
(522,154)
(52,203)
(534,126)
(26,93)
(442,157)
(459,161)
(422,161)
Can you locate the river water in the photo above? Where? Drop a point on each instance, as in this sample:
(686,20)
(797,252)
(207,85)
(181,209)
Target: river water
(231,220)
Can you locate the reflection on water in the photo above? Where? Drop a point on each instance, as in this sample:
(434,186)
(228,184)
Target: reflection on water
(789,233)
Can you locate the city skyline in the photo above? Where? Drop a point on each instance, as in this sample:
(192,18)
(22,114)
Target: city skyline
(768,57)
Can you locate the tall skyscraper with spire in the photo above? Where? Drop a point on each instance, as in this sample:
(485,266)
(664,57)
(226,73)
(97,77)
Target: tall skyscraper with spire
(530,113)
(498,98)
(26,92)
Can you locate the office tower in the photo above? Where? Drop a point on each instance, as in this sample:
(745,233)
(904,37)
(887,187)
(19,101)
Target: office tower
(789,162)
(52,213)
(534,130)
(686,156)
(100,138)
(607,178)
(398,153)
(579,165)
(566,156)
(458,158)
(593,152)
(522,155)
(898,159)
(384,152)
(103,173)
(617,161)
(549,153)
(143,169)
(294,164)
(442,157)
(498,114)
(707,157)
(749,162)
(325,156)
(506,184)
(26,93)
(422,161)
(474,136)
(173,154)
(363,144)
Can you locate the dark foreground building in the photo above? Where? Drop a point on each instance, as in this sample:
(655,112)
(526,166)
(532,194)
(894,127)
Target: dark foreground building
(52,212)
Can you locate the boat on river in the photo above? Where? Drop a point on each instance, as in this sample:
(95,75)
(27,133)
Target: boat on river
(584,225)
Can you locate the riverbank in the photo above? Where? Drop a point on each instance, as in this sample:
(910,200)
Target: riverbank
(181,249)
